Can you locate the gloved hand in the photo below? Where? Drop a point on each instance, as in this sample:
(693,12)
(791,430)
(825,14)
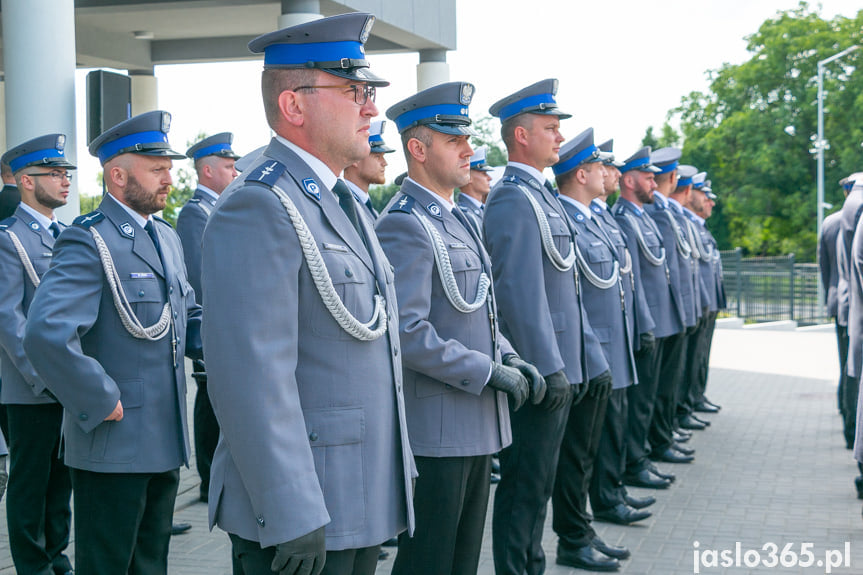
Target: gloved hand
(559,392)
(510,381)
(304,555)
(4,476)
(647,342)
(529,371)
(579,392)
(199,371)
(600,386)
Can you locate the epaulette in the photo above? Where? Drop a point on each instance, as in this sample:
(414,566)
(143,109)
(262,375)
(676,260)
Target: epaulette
(511,179)
(7,223)
(267,173)
(88,220)
(194,200)
(404,204)
(155,217)
(617,209)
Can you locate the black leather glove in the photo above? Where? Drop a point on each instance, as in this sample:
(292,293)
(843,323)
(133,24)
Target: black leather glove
(646,342)
(199,371)
(510,381)
(304,555)
(600,386)
(529,371)
(4,475)
(559,391)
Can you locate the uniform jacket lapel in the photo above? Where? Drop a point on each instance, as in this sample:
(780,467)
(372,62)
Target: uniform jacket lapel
(453,227)
(43,234)
(142,245)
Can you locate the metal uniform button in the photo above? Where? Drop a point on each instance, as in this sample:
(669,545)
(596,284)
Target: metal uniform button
(396,351)
(313,436)
(448,386)
(175,315)
(261,521)
(465,382)
(141,293)
(467,262)
(349,273)
(83,416)
(170,289)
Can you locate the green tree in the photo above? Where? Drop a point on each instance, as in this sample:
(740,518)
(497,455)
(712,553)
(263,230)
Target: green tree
(751,131)
(669,137)
(183,188)
(488,129)
(381,195)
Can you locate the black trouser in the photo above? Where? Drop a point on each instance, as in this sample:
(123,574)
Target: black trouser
(123,521)
(695,350)
(851,389)
(570,518)
(527,470)
(206,428)
(696,394)
(671,364)
(37,500)
(641,400)
(842,345)
(4,422)
(606,485)
(249,559)
(450,503)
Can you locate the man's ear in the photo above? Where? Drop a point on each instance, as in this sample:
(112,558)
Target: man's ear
(291,107)
(417,150)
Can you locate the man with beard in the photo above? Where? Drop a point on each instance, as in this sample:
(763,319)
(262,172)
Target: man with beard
(371,169)
(461,376)
(214,164)
(473,195)
(650,264)
(313,469)
(541,314)
(37,509)
(106,333)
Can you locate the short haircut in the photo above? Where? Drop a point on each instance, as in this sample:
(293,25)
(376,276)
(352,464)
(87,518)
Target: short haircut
(563,179)
(507,128)
(421,133)
(274,82)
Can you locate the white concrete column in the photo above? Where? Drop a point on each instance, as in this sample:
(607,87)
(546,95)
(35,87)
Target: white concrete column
(145,91)
(295,12)
(39,62)
(432,69)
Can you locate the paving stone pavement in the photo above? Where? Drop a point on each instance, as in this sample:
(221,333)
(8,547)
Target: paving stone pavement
(772,468)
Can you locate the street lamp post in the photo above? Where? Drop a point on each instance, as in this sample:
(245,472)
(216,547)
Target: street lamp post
(820,145)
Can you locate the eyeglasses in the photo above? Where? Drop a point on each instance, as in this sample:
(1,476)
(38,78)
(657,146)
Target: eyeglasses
(57,176)
(362,92)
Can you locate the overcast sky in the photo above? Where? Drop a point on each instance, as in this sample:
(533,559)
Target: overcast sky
(622,64)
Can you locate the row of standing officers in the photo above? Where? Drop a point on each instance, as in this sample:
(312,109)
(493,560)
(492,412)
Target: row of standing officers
(357,371)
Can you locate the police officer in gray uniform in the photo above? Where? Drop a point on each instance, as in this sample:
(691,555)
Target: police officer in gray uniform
(652,266)
(214,164)
(529,239)
(473,195)
(673,363)
(37,511)
(106,332)
(580,177)
(304,360)
(371,169)
(458,368)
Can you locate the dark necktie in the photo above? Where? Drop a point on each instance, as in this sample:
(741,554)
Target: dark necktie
(371,207)
(151,231)
(348,205)
(55,229)
(550,188)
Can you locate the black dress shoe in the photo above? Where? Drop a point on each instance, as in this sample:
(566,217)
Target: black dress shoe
(383,555)
(678,437)
(645,478)
(689,422)
(495,465)
(710,403)
(586,557)
(495,478)
(622,514)
(204,498)
(671,456)
(683,450)
(858,483)
(610,550)
(177,528)
(703,422)
(704,407)
(663,474)
(637,503)
(394,542)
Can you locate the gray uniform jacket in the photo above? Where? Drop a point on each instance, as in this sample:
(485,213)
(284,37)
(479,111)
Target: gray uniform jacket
(89,361)
(828,262)
(606,308)
(447,354)
(190,228)
(540,308)
(679,268)
(312,419)
(636,302)
(707,268)
(855,310)
(850,216)
(21,383)
(472,212)
(663,300)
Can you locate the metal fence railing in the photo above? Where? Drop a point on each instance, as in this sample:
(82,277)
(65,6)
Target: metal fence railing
(772,288)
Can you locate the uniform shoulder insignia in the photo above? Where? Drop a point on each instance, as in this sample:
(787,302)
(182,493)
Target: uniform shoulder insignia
(596,209)
(194,200)
(7,223)
(511,179)
(404,204)
(88,220)
(617,209)
(267,173)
